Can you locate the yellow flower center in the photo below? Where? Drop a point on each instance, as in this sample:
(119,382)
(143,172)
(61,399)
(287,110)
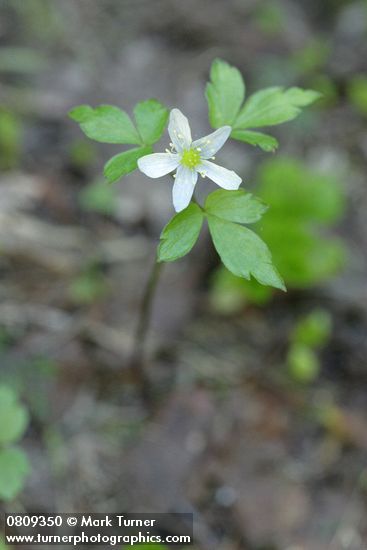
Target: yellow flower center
(190,158)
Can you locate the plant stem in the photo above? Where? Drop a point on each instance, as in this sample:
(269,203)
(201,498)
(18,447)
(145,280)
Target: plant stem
(145,311)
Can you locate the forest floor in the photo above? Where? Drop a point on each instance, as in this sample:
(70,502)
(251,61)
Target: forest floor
(263,462)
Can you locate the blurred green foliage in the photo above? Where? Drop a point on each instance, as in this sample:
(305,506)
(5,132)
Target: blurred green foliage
(357,93)
(41,18)
(98,197)
(313,330)
(10,139)
(327,88)
(89,286)
(14,61)
(21,60)
(308,63)
(302,204)
(32,375)
(6,338)
(303,364)
(228,294)
(42,371)
(14,417)
(14,466)
(82,153)
(311,333)
(269,17)
(312,57)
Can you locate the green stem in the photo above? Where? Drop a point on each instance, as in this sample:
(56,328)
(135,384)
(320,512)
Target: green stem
(145,311)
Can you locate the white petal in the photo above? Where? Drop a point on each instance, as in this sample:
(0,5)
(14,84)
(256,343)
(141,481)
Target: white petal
(221,176)
(183,187)
(179,130)
(158,164)
(210,144)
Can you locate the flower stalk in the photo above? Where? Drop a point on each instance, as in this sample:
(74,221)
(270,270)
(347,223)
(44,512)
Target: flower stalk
(137,362)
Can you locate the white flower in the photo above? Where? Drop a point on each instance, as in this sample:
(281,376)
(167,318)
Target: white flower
(190,158)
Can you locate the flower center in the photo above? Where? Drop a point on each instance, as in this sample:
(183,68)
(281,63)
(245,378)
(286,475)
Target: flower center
(190,158)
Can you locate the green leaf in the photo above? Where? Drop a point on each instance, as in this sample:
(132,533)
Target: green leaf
(235,206)
(273,106)
(13,416)
(180,234)
(81,113)
(264,141)
(124,163)
(151,119)
(225,93)
(106,123)
(243,252)
(14,467)
(301,98)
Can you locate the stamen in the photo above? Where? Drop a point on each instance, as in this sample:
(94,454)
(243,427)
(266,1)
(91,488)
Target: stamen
(190,158)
